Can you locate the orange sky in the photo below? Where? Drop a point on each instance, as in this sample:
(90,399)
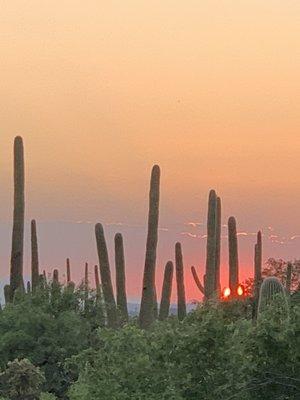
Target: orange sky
(100,91)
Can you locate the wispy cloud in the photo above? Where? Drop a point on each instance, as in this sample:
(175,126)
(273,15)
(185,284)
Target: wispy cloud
(194,224)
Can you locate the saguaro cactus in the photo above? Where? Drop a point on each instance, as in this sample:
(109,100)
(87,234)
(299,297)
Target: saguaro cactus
(257,267)
(121,278)
(181,301)
(197,280)
(108,293)
(68,270)
(270,289)
(166,292)
(34,257)
(97,281)
(16,269)
(86,284)
(233,256)
(218,246)
(148,294)
(289,271)
(210,275)
(55,278)
(99,303)
(7,295)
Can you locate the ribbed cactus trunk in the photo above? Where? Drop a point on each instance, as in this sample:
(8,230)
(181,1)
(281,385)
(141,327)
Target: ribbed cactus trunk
(218,246)
(257,267)
(121,278)
(55,278)
(166,292)
(272,290)
(233,257)
(7,295)
(181,301)
(16,269)
(147,311)
(289,271)
(34,257)
(68,271)
(101,314)
(210,275)
(110,304)
(86,284)
(97,281)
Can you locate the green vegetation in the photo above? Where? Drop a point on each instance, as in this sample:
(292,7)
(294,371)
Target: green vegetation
(76,343)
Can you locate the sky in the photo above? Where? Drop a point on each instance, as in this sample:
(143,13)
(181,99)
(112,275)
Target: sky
(101,91)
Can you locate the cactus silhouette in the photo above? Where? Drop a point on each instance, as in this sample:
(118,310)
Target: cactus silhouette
(7,295)
(55,278)
(121,278)
(181,302)
(233,256)
(289,271)
(271,290)
(210,274)
(257,269)
(166,292)
(197,280)
(99,302)
(218,246)
(110,304)
(211,280)
(68,270)
(147,311)
(16,268)
(86,284)
(34,257)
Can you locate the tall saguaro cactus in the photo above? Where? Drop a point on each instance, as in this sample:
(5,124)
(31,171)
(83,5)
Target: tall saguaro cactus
(147,310)
(233,256)
(210,275)
(16,269)
(35,275)
(181,301)
(166,292)
(218,246)
(121,278)
(101,316)
(257,267)
(107,287)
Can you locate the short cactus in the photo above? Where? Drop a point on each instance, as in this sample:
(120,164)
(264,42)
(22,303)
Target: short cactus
(68,270)
(166,292)
(7,295)
(272,289)
(289,271)
(121,278)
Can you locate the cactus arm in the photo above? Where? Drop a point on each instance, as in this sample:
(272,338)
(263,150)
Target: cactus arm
(197,280)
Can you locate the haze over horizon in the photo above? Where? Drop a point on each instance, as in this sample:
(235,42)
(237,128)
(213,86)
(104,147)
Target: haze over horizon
(101,92)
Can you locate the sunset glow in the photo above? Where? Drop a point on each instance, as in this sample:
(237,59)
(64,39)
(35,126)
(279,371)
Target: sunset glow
(101,91)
